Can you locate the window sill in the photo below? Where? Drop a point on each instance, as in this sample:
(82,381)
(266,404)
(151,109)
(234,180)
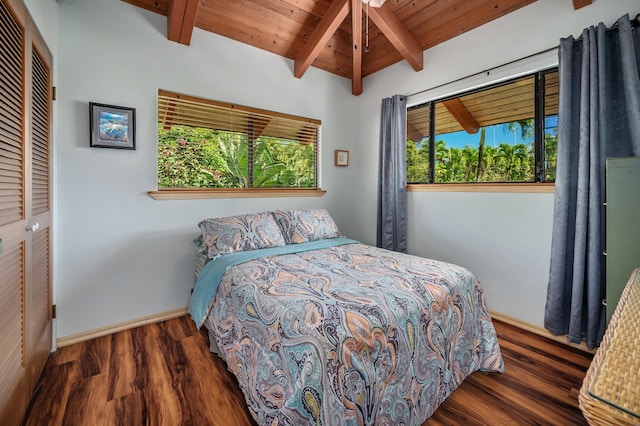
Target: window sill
(483,187)
(197,194)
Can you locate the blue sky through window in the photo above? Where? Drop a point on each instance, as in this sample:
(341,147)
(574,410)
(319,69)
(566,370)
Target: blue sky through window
(495,135)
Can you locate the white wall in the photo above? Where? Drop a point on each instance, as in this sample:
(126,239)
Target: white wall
(44,14)
(120,254)
(504,238)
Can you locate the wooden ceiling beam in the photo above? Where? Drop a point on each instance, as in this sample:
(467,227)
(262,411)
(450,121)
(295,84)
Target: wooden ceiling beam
(398,35)
(318,39)
(356,32)
(577,4)
(181,19)
(462,115)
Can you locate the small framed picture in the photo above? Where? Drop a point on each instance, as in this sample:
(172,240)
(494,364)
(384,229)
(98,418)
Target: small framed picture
(342,158)
(112,126)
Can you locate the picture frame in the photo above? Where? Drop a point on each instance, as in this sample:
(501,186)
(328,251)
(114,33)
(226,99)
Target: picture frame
(342,158)
(112,126)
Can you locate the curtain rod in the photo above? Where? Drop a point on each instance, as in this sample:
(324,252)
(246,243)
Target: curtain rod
(635,22)
(489,70)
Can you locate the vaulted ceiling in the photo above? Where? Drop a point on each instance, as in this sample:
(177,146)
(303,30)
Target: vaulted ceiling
(318,33)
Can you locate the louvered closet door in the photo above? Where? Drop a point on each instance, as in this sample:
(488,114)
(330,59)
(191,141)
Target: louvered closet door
(25,171)
(38,283)
(14,382)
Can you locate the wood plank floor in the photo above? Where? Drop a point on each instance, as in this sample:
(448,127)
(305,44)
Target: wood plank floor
(164,374)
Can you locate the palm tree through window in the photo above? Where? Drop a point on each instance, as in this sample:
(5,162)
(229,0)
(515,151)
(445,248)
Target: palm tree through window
(503,133)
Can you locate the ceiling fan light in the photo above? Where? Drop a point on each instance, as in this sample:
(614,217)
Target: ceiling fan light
(374,3)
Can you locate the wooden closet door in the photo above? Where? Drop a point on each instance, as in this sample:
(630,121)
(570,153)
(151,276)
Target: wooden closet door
(25,176)
(38,322)
(14,382)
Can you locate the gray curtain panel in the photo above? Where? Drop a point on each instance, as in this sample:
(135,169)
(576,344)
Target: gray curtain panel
(392,175)
(599,117)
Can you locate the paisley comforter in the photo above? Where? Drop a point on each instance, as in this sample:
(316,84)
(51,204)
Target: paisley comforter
(348,334)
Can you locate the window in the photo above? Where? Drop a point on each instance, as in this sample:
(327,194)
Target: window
(209,144)
(503,133)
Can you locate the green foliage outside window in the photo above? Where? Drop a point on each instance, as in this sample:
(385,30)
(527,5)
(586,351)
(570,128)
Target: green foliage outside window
(417,161)
(504,162)
(550,151)
(194,157)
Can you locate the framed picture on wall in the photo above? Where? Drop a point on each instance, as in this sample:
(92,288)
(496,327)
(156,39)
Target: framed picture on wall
(342,158)
(112,126)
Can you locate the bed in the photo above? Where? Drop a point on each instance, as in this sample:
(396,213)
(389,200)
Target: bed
(321,329)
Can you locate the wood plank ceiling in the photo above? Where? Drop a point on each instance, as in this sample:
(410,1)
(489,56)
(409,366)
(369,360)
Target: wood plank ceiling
(318,33)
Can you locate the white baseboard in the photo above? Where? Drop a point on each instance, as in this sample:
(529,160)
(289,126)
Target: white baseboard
(110,329)
(164,316)
(539,331)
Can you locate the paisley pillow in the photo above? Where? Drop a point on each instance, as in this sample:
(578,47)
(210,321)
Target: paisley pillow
(240,233)
(301,226)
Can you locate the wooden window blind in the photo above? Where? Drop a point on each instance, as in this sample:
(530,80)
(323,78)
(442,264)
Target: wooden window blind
(234,146)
